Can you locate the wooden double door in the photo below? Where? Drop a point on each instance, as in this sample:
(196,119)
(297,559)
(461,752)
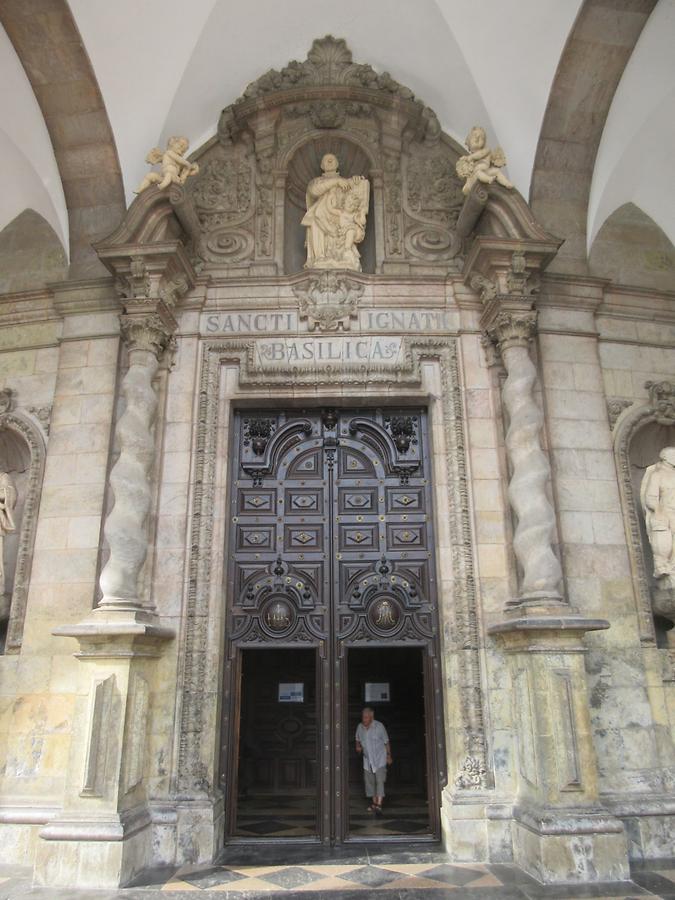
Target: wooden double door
(331,594)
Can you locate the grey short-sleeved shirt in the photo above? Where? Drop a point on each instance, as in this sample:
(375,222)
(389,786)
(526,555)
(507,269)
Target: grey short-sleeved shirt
(373,741)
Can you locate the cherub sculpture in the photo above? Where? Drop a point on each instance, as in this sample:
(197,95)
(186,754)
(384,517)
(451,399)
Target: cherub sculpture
(481,163)
(175,168)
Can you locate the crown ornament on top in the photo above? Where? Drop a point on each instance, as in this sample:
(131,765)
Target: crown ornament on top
(329,61)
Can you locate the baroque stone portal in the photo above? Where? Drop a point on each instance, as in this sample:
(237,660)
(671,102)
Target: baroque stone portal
(335,218)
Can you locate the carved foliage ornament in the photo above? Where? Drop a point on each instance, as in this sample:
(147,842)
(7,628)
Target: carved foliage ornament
(662,401)
(513,329)
(6,400)
(328,62)
(151,332)
(328,301)
(615,406)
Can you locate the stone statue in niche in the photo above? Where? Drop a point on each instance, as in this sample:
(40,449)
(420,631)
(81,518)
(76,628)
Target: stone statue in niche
(8,498)
(175,168)
(657,495)
(336,218)
(481,163)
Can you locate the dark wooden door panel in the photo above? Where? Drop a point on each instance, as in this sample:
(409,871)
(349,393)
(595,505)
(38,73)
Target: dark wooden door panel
(331,548)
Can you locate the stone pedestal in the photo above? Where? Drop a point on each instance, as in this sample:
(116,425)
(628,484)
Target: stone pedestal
(102,838)
(561,833)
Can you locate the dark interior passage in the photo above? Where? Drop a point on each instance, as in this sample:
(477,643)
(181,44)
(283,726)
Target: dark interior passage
(277,772)
(397,674)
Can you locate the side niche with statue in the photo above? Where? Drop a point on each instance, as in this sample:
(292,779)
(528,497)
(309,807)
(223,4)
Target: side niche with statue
(327,164)
(657,497)
(644,443)
(22,455)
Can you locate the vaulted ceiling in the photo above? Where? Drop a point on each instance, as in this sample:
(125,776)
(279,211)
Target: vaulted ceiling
(580,93)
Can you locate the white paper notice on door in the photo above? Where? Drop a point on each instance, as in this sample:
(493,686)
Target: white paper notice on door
(377,692)
(291,692)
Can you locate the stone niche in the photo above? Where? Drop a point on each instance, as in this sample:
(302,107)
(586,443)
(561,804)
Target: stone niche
(641,432)
(250,192)
(22,453)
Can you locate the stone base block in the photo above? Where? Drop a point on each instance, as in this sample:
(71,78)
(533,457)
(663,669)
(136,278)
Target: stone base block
(476,829)
(106,852)
(199,830)
(569,849)
(464,827)
(650,836)
(19,831)
(18,843)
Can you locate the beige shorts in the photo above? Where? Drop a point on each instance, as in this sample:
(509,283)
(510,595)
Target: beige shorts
(374,782)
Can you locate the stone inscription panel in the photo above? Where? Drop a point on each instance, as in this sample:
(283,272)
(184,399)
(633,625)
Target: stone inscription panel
(327,351)
(416,321)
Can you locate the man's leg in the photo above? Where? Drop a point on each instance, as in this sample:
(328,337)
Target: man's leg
(369,783)
(380,778)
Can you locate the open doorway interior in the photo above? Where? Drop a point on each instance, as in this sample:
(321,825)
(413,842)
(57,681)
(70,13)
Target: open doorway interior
(391,681)
(277,791)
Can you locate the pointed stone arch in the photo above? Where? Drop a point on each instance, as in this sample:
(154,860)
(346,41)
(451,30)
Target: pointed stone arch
(630,248)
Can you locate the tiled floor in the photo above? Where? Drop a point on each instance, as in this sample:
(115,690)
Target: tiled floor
(347,874)
(280,816)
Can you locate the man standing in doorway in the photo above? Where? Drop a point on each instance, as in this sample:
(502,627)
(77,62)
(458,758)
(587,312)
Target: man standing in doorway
(372,741)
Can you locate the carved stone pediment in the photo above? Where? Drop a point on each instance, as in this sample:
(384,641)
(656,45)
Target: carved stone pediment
(328,300)
(241,214)
(250,191)
(329,62)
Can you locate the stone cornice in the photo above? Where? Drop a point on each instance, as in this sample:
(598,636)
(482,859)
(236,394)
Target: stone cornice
(21,307)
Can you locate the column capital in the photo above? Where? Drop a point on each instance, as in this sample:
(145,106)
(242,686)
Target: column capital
(509,263)
(506,275)
(149,273)
(147,326)
(512,328)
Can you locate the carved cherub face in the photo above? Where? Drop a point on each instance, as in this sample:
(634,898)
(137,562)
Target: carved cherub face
(178,144)
(668,455)
(329,163)
(476,138)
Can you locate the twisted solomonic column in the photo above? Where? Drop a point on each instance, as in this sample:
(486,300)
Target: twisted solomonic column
(512,331)
(146,334)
